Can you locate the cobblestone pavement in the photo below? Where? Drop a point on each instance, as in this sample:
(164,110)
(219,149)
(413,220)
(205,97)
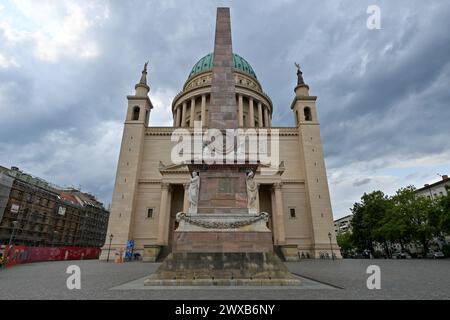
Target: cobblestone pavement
(400,279)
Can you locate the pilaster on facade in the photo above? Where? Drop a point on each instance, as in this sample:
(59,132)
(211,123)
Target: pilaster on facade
(279,214)
(163,215)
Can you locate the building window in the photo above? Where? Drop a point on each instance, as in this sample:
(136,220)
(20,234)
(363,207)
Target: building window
(307,112)
(292,212)
(150,212)
(136,111)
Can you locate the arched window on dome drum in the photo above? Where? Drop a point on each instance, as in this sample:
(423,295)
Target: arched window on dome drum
(307,112)
(136,111)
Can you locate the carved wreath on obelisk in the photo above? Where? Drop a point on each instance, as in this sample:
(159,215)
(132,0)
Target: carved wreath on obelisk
(194,188)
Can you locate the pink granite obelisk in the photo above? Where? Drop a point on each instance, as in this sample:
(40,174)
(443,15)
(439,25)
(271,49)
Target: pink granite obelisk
(222,187)
(222,109)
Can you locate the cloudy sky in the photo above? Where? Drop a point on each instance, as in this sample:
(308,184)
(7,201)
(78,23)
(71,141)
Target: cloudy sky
(383,95)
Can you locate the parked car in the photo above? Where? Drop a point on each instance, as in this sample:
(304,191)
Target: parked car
(435,255)
(401,255)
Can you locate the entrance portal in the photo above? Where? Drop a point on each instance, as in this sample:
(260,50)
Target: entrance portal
(265,203)
(176,205)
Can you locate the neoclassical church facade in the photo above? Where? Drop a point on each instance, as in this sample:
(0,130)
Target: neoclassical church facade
(150,190)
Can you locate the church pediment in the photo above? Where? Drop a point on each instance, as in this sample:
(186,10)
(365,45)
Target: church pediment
(172,168)
(275,170)
(183,168)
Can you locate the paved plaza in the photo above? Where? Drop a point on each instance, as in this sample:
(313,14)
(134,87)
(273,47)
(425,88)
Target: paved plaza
(322,279)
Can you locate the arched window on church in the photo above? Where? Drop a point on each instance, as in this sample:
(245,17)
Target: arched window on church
(296,118)
(307,112)
(136,111)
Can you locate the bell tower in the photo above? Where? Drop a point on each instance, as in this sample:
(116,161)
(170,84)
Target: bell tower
(318,203)
(139,104)
(128,168)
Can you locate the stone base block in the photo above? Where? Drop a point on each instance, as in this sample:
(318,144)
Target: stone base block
(290,252)
(219,242)
(151,253)
(222,269)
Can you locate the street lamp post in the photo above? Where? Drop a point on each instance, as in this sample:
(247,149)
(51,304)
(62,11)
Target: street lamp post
(15,223)
(331,246)
(109,248)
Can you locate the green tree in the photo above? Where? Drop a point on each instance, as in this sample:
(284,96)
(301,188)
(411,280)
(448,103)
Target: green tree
(444,207)
(394,228)
(368,216)
(417,216)
(344,241)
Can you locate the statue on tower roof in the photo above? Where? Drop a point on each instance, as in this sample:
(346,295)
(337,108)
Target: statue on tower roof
(144,75)
(300,80)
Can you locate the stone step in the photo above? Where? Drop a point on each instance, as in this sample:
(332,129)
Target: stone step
(253,268)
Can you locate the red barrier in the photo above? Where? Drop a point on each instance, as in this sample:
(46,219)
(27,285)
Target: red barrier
(23,254)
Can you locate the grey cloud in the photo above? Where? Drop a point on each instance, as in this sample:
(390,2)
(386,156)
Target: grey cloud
(362,182)
(395,108)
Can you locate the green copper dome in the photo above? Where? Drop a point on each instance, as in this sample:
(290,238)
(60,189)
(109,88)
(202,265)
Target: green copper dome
(206,63)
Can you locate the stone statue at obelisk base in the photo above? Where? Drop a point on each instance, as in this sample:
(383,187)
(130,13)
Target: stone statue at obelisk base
(194,188)
(252,193)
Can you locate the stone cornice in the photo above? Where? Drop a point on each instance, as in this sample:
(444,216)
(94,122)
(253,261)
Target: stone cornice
(149,181)
(167,131)
(159,131)
(145,98)
(293,181)
(302,98)
(283,181)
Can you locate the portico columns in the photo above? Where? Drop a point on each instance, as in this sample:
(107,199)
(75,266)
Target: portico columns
(191,122)
(183,115)
(266,117)
(163,220)
(251,113)
(260,115)
(241,110)
(204,124)
(279,214)
(178,116)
